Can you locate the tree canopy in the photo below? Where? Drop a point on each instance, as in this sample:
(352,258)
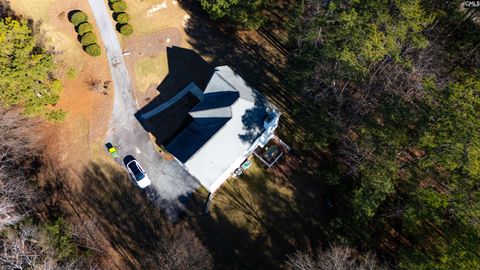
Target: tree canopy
(399,81)
(27,74)
(446,206)
(243,13)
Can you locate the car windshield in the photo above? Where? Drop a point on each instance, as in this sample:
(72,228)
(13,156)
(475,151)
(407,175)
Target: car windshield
(136,171)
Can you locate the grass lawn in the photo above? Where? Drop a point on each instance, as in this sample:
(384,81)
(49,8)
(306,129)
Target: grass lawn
(240,199)
(149,16)
(150,71)
(258,218)
(56,30)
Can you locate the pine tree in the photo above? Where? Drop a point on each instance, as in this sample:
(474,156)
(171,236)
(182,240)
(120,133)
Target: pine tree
(26,76)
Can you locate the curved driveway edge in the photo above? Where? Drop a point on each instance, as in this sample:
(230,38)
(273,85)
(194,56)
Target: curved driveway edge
(170,182)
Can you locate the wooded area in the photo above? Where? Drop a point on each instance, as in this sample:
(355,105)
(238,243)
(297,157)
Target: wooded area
(399,83)
(238,13)
(390,95)
(36,232)
(27,240)
(27,74)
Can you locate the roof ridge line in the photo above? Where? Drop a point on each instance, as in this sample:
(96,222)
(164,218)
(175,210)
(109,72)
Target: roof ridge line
(229,107)
(223,79)
(234,73)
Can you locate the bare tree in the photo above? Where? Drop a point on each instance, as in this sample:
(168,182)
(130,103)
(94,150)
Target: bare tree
(8,213)
(27,248)
(18,148)
(335,258)
(16,252)
(85,235)
(302,261)
(94,84)
(17,141)
(182,250)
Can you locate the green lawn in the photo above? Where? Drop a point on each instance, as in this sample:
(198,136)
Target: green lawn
(146,22)
(150,71)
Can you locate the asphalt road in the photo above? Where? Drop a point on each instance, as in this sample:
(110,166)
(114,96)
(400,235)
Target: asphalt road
(171,184)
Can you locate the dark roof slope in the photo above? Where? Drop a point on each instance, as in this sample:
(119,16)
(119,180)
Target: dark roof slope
(192,138)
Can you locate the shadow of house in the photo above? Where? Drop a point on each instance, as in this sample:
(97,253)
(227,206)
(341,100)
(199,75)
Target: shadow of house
(184,67)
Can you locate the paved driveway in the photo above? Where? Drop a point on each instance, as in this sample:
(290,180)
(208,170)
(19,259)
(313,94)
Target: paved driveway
(170,182)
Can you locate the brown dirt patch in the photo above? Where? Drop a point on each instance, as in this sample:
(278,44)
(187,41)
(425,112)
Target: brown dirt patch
(82,133)
(152,44)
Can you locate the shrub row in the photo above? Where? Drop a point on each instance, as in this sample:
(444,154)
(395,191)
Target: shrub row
(78,17)
(85,32)
(93,49)
(119,6)
(125,29)
(121,17)
(84,28)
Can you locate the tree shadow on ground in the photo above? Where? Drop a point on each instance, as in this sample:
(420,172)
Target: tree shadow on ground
(274,222)
(131,223)
(260,56)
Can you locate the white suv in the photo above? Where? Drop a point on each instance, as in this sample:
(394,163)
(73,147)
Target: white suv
(138,174)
